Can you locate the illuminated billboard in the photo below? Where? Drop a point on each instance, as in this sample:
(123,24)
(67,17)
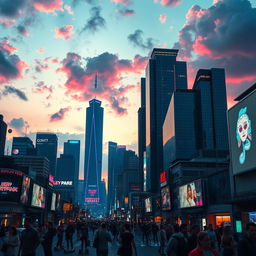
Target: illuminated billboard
(24,198)
(145,171)
(10,185)
(148,205)
(163,178)
(92,195)
(53,204)
(190,195)
(38,196)
(242,134)
(166,198)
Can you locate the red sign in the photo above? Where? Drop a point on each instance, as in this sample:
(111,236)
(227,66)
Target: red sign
(12,172)
(163,177)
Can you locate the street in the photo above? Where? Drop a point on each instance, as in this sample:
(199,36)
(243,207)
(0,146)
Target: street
(141,249)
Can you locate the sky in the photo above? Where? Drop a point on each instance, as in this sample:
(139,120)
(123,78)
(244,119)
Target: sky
(51,50)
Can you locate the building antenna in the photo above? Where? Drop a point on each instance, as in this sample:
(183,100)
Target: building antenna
(96,82)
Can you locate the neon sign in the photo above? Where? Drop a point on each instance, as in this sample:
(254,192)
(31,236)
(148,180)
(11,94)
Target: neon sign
(11,172)
(42,140)
(8,187)
(163,178)
(63,182)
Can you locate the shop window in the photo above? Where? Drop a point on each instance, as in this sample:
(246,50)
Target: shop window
(222,220)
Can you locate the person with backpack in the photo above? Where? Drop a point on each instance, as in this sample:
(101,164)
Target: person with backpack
(177,244)
(69,236)
(101,240)
(48,239)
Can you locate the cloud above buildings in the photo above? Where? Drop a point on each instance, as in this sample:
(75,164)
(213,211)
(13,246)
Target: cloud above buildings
(64,32)
(7,90)
(19,124)
(59,115)
(168,3)
(41,87)
(11,67)
(95,22)
(163,18)
(109,69)
(125,11)
(137,40)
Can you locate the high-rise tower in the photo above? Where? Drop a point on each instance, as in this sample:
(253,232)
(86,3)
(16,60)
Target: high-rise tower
(93,152)
(3,128)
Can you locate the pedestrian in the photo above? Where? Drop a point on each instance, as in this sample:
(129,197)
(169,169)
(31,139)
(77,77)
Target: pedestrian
(101,239)
(60,232)
(227,242)
(29,239)
(11,242)
(212,236)
(48,239)
(247,245)
(84,236)
(155,230)
(127,243)
(162,239)
(69,236)
(2,235)
(203,246)
(177,244)
(192,240)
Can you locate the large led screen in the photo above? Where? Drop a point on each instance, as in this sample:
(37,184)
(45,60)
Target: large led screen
(148,205)
(242,135)
(24,197)
(92,195)
(166,199)
(190,195)
(10,185)
(53,204)
(38,196)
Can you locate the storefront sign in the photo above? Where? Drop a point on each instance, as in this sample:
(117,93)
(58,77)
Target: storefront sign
(163,178)
(63,183)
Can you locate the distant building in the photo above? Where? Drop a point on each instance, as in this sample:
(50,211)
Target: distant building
(93,152)
(47,145)
(164,74)
(72,147)
(112,148)
(3,129)
(80,188)
(22,146)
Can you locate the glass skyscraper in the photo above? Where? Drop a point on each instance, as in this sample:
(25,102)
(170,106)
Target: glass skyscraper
(93,152)
(47,145)
(22,146)
(164,74)
(3,128)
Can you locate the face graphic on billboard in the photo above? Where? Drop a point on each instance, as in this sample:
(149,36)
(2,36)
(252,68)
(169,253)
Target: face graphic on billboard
(243,133)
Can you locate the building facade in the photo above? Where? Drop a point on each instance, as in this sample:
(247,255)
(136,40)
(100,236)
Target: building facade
(3,129)
(93,152)
(47,146)
(22,146)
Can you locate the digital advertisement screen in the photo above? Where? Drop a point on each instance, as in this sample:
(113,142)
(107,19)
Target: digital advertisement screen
(24,197)
(190,195)
(148,205)
(166,199)
(53,204)
(163,178)
(92,195)
(10,185)
(242,134)
(144,171)
(252,217)
(58,202)
(38,196)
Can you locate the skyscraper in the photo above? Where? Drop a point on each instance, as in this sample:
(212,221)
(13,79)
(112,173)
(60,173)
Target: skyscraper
(22,146)
(46,145)
(72,147)
(163,76)
(93,152)
(210,86)
(112,147)
(3,128)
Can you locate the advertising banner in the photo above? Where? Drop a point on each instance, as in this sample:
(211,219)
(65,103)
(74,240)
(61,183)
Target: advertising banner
(242,134)
(53,204)
(166,199)
(190,195)
(10,185)
(38,196)
(24,198)
(148,205)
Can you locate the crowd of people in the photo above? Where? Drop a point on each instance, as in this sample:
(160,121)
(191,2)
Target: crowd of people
(172,240)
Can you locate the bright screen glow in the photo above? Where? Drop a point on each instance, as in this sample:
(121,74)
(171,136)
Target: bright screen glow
(25,190)
(166,199)
(38,196)
(148,205)
(252,217)
(53,208)
(190,195)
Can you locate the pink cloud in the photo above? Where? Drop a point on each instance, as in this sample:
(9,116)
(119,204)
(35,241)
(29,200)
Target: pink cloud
(41,50)
(7,22)
(39,66)
(64,32)
(68,9)
(48,5)
(163,18)
(124,2)
(7,47)
(59,115)
(170,3)
(41,88)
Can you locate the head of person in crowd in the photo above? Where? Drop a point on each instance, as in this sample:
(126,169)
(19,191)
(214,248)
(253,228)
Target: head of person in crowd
(127,227)
(227,230)
(210,227)
(162,226)
(176,228)
(194,229)
(203,241)
(184,228)
(12,231)
(28,222)
(103,225)
(251,230)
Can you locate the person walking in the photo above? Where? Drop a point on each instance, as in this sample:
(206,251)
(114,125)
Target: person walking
(192,240)
(48,239)
(213,237)
(162,239)
(84,234)
(101,240)
(69,236)
(126,240)
(203,246)
(11,242)
(60,232)
(247,245)
(155,230)
(227,242)
(29,239)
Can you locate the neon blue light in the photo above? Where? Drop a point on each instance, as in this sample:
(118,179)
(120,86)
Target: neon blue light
(73,141)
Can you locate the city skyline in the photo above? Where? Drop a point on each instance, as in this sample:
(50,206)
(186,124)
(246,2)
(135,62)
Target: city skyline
(40,90)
